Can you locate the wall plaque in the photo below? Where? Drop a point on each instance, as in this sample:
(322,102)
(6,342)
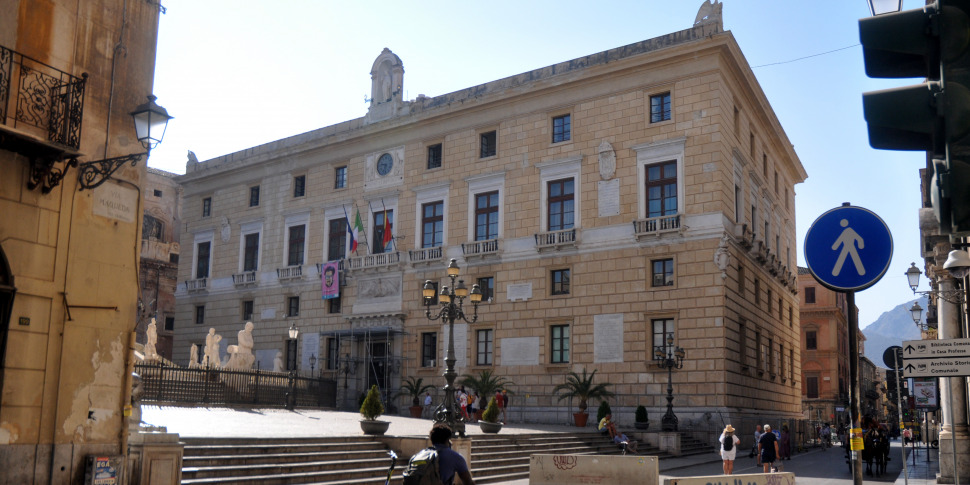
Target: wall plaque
(608,338)
(115,202)
(520,351)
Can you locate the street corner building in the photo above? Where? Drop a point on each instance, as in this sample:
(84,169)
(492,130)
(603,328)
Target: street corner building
(70,75)
(602,204)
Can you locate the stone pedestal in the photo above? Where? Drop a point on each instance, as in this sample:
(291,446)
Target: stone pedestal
(464,447)
(154,458)
(946,457)
(670,442)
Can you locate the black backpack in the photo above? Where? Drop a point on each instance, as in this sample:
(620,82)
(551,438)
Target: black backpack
(423,468)
(728,442)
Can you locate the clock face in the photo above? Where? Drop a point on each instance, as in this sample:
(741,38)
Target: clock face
(384,164)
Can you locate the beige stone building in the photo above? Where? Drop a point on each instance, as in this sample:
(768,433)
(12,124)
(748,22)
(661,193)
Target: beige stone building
(70,74)
(602,203)
(158,272)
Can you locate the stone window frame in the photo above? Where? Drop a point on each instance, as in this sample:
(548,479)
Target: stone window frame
(340,177)
(247,306)
(333,213)
(489,353)
(570,167)
(375,205)
(564,119)
(294,220)
(563,292)
(488,293)
(436,155)
(666,97)
(567,340)
(299,185)
(671,149)
(429,353)
(673,273)
(810,297)
(425,195)
(811,343)
(199,238)
(480,184)
(207,207)
(487,143)
(246,229)
(200,314)
(254,195)
(290,301)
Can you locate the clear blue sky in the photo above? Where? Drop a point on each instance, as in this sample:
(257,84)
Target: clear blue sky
(240,73)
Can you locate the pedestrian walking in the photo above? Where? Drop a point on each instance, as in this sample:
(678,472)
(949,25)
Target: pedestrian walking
(784,444)
(428,411)
(754,446)
(768,449)
(729,448)
(506,402)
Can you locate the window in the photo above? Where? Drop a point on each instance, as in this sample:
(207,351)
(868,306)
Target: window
(661,328)
(663,272)
(333,305)
(487,285)
(337,239)
(200,314)
(157,193)
(560,281)
(488,145)
(486,216)
(757,350)
(810,294)
(757,291)
(432,223)
(559,344)
(340,177)
(754,220)
(741,285)
(811,387)
(254,196)
(660,108)
(768,301)
(560,128)
(202,260)
(293,306)
(811,340)
(434,156)
(791,366)
(152,228)
(247,310)
(770,357)
(484,339)
(251,252)
(776,183)
(207,207)
(737,203)
(333,353)
(743,343)
(791,318)
(781,361)
(429,349)
(766,356)
(299,186)
(764,165)
(781,308)
(170,323)
(561,204)
(379,231)
(295,246)
(661,188)
(751,144)
(737,121)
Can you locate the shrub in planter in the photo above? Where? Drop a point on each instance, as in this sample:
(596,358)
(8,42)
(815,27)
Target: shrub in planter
(372,408)
(489,422)
(640,420)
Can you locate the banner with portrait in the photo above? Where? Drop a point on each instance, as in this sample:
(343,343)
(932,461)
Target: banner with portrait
(330,280)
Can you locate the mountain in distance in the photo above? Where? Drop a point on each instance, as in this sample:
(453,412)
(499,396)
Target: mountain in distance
(892,328)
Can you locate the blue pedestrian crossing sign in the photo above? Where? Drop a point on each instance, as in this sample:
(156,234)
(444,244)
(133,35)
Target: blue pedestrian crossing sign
(848,248)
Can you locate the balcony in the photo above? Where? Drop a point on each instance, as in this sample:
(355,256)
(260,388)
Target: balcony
(480,249)
(655,226)
(556,240)
(41,109)
(426,255)
(289,273)
(196,285)
(244,279)
(374,261)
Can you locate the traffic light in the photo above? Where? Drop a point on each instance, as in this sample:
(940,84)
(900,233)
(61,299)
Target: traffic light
(934,116)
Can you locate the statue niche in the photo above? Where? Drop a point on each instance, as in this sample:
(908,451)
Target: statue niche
(387,79)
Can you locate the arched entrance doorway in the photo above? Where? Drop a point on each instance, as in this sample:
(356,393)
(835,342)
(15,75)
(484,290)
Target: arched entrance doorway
(7,292)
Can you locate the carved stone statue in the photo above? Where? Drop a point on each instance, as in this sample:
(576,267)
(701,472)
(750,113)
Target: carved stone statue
(710,11)
(241,355)
(211,357)
(607,160)
(721,256)
(193,356)
(278,362)
(386,83)
(192,157)
(151,338)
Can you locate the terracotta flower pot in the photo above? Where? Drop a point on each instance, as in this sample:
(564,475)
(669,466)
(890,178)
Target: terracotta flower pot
(581,419)
(415,411)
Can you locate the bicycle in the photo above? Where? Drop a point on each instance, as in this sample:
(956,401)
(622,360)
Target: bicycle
(390,471)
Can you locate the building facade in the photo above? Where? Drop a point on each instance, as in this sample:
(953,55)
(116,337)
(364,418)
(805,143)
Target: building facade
(158,272)
(601,204)
(70,74)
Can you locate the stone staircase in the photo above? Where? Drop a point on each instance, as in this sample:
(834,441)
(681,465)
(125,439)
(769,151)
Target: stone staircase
(364,460)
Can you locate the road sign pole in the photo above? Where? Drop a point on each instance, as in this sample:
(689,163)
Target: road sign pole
(899,411)
(854,408)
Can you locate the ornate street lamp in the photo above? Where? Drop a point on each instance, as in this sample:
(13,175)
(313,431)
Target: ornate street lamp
(451,300)
(881,7)
(313,362)
(293,331)
(669,357)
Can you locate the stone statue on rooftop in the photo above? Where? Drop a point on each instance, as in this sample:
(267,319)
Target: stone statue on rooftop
(709,12)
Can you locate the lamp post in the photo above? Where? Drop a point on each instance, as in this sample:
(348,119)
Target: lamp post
(881,7)
(451,300)
(313,362)
(669,357)
(293,332)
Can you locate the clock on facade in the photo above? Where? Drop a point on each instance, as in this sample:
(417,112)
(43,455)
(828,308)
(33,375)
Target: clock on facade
(384,164)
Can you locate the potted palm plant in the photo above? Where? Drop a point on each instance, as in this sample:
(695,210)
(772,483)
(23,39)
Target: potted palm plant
(582,387)
(640,420)
(370,410)
(414,387)
(486,383)
(489,422)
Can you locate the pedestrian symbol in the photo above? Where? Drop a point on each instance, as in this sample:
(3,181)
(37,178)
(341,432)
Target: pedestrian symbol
(848,241)
(848,248)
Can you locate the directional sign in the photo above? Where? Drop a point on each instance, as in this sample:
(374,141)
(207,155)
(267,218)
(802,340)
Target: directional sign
(848,248)
(939,367)
(921,349)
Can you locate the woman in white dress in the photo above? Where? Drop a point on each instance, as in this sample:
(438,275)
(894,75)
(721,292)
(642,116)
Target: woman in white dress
(729,448)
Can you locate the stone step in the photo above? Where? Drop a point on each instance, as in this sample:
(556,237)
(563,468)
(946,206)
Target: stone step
(370,474)
(301,468)
(278,458)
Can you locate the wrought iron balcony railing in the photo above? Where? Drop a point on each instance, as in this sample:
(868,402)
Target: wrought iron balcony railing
(41,97)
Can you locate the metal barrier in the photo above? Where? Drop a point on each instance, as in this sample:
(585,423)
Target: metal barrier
(174,385)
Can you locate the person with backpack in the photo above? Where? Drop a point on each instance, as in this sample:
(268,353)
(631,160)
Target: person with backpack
(729,448)
(438,464)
